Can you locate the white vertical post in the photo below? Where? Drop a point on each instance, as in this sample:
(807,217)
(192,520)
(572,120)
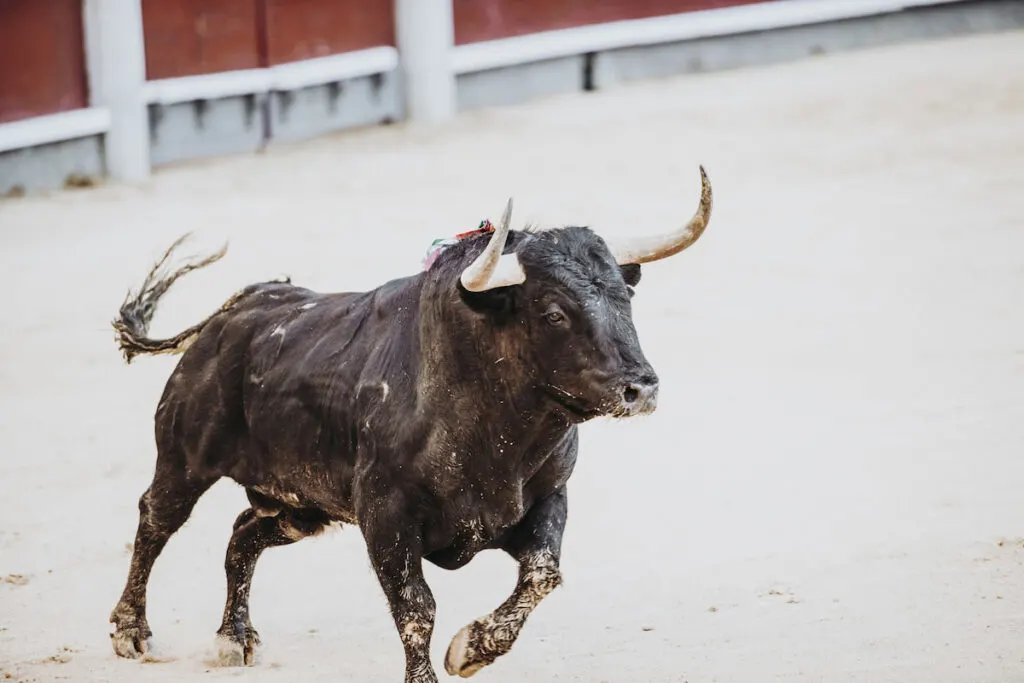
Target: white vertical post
(425,33)
(116,60)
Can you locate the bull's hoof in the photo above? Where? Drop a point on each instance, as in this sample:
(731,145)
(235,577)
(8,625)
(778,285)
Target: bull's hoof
(239,650)
(462,658)
(131,642)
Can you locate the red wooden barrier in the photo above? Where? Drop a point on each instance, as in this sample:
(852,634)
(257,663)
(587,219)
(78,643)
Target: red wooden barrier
(42,52)
(190,37)
(479,20)
(304,29)
(42,58)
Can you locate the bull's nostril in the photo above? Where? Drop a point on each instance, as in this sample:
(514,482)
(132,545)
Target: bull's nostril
(631,394)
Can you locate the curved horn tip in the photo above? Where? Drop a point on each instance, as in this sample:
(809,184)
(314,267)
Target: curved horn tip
(705,182)
(506,216)
(706,196)
(654,248)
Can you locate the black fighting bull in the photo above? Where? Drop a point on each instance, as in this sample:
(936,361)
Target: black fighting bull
(437,412)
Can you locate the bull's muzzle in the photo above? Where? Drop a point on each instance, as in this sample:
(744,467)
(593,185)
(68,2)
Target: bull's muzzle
(639,397)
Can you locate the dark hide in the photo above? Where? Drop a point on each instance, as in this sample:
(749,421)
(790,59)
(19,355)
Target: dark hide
(440,421)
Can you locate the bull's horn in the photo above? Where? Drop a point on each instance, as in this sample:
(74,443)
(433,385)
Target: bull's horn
(655,247)
(491,268)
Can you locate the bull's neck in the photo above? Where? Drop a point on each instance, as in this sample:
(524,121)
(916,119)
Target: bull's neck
(478,372)
(472,375)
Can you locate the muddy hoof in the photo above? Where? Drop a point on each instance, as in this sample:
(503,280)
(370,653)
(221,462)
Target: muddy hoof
(462,658)
(131,642)
(237,650)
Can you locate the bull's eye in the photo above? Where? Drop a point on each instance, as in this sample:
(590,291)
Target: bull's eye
(554,317)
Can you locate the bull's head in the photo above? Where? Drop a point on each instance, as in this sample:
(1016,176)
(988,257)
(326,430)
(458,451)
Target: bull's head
(571,290)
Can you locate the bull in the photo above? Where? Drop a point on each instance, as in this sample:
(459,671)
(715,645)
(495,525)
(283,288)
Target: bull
(438,413)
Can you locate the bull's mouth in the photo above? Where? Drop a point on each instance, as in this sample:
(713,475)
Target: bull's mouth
(571,404)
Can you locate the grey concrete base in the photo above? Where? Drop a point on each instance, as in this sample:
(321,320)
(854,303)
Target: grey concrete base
(764,47)
(309,112)
(244,124)
(48,167)
(205,128)
(515,84)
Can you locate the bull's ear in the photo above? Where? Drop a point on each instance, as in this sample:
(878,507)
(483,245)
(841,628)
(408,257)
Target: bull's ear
(631,273)
(499,301)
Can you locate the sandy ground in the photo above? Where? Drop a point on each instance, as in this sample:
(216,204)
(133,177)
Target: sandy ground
(831,489)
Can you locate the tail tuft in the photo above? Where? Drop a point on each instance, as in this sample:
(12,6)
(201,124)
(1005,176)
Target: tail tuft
(132,323)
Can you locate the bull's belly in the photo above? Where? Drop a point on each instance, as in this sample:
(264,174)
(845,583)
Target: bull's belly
(460,532)
(462,549)
(269,499)
(452,558)
(302,487)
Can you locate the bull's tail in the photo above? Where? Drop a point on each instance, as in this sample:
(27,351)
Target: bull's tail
(132,323)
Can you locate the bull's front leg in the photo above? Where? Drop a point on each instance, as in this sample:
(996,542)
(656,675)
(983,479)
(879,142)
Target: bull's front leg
(537,544)
(396,554)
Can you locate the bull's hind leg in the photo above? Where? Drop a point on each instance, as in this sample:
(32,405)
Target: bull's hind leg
(256,529)
(163,508)
(536,543)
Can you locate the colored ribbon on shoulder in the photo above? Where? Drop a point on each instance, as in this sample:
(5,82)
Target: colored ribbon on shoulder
(442,243)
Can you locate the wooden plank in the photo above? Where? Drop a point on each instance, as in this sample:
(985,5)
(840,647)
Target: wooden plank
(191,37)
(306,29)
(42,58)
(481,20)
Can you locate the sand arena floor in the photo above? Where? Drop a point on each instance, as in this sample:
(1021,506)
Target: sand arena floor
(831,489)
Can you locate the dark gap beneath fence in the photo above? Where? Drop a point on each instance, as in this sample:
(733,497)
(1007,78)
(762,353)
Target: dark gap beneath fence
(588,71)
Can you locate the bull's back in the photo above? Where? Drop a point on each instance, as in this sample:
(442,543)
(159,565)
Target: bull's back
(271,390)
(317,376)
(301,365)
(202,415)
(301,396)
